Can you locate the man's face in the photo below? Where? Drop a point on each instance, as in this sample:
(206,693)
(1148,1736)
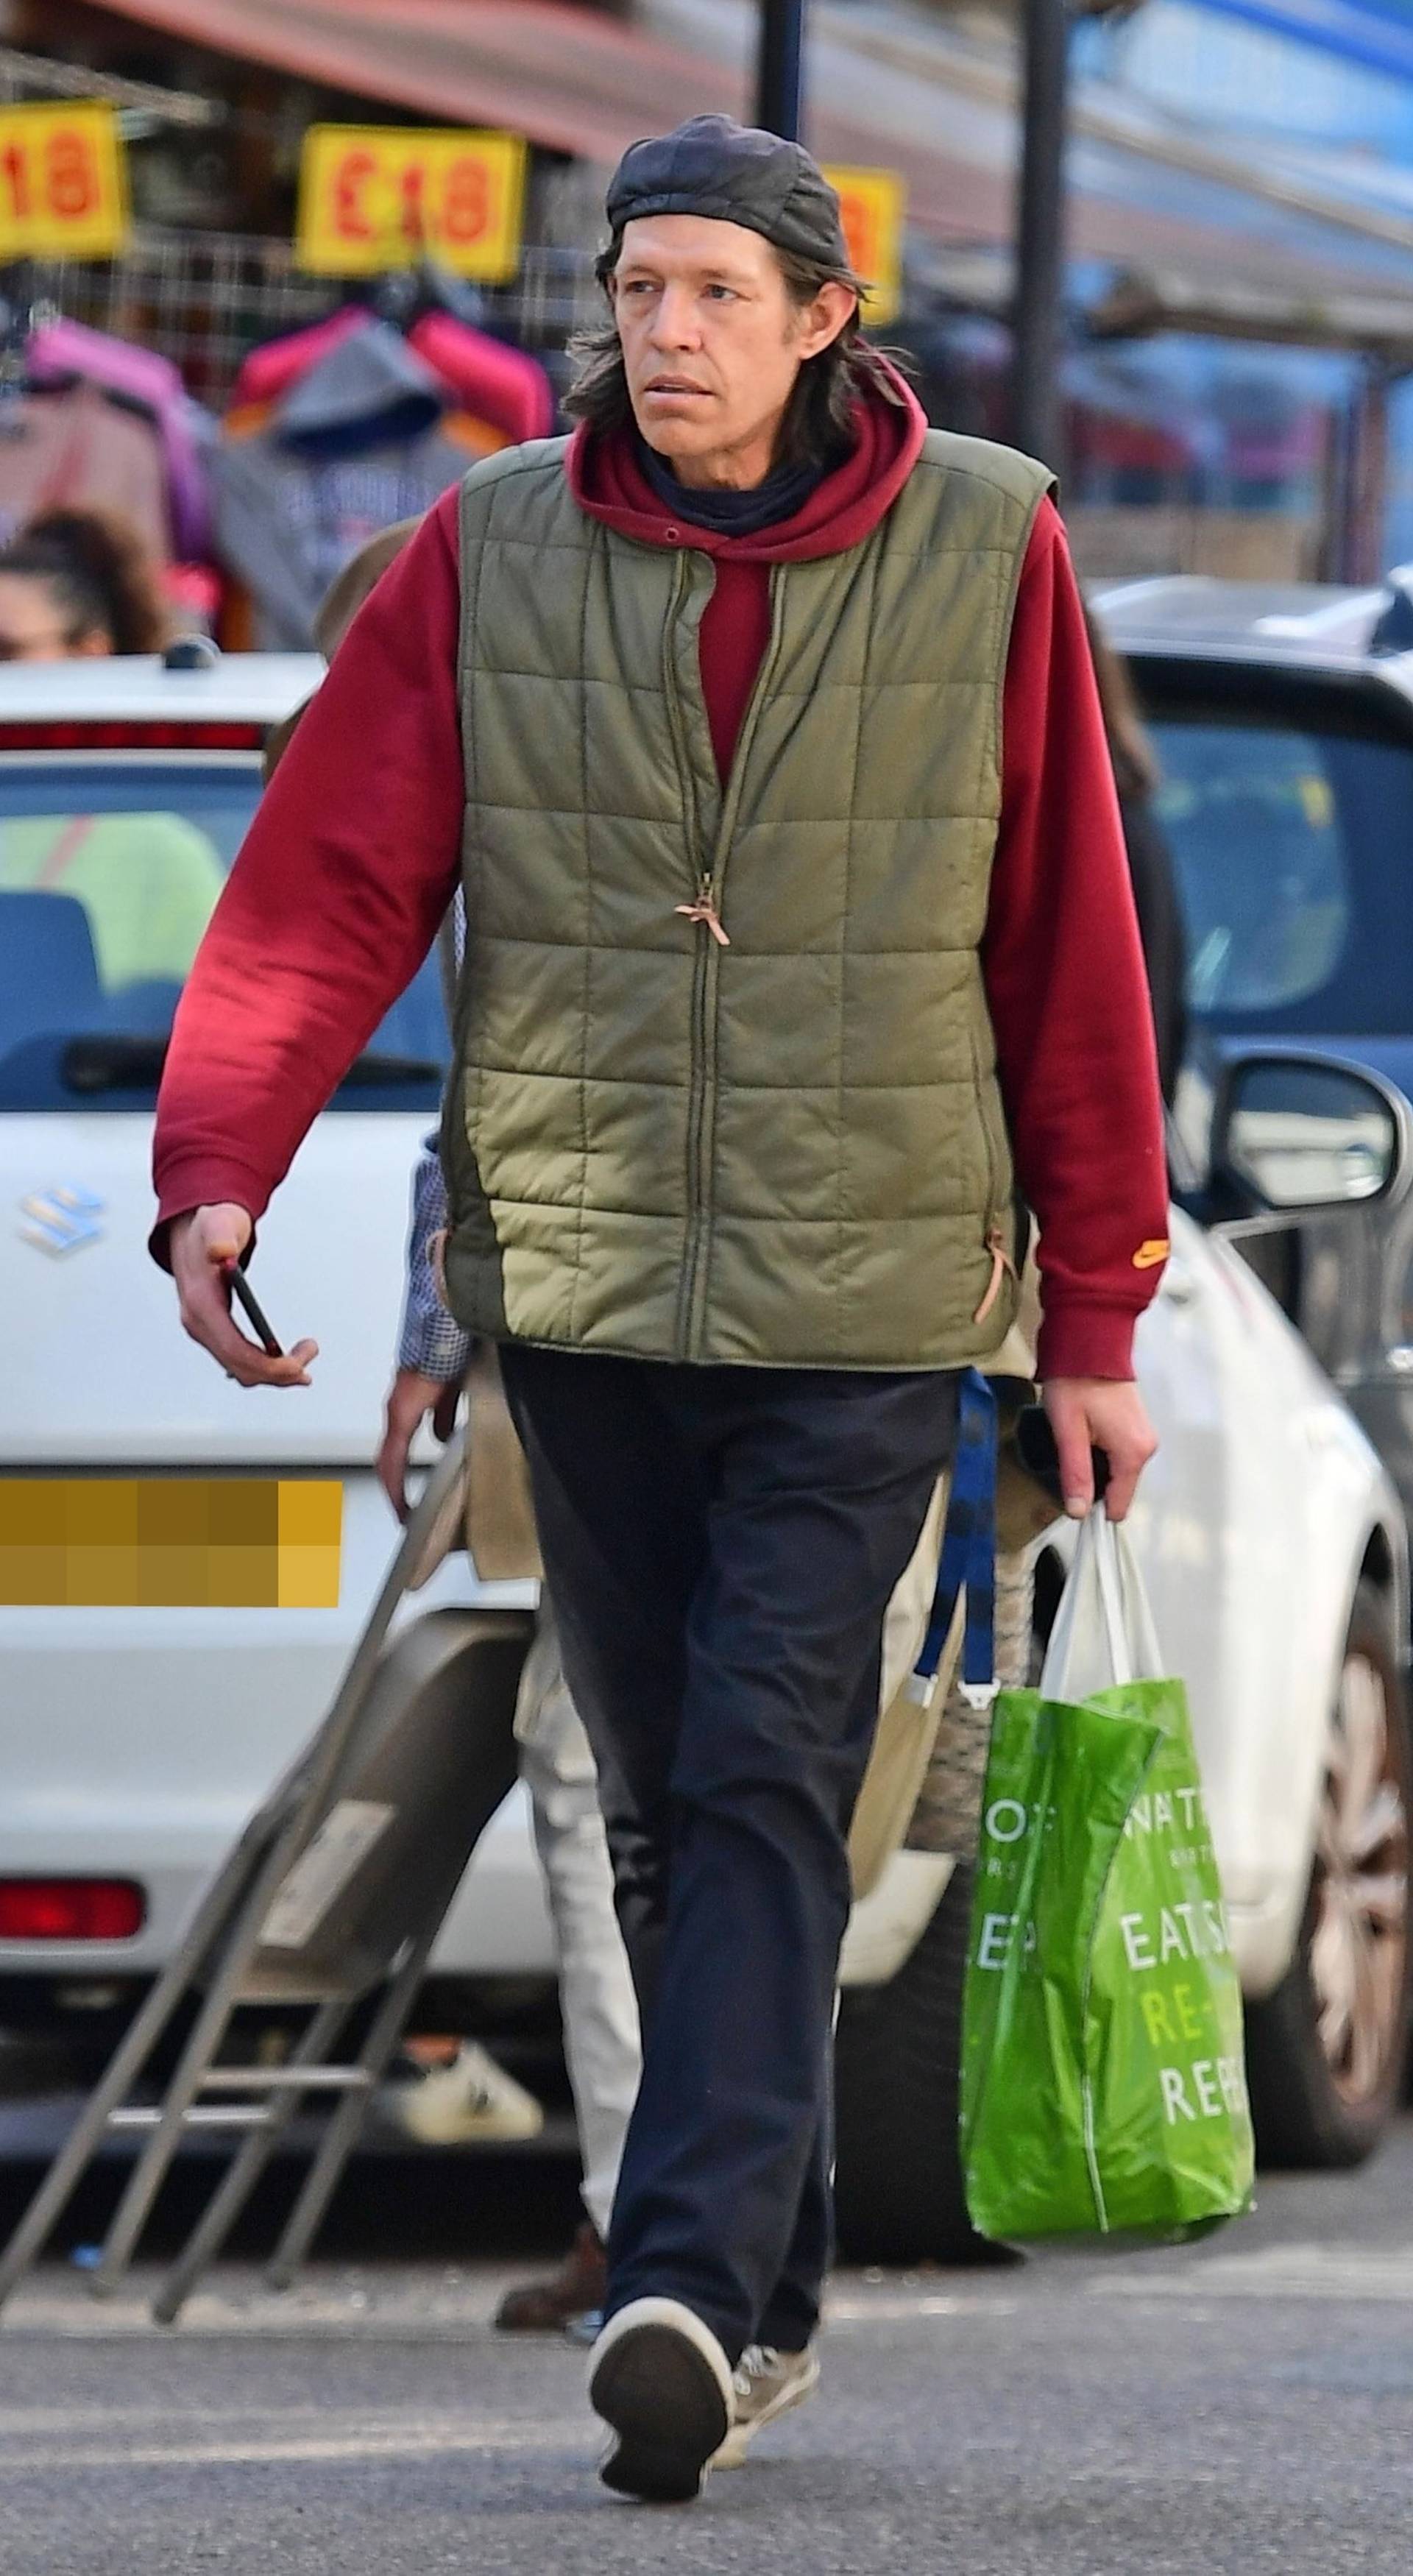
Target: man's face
(712,340)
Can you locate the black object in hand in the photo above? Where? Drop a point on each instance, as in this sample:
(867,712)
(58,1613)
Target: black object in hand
(247,1300)
(1035,1447)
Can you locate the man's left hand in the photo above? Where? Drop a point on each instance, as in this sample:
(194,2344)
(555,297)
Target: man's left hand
(1099,1413)
(411,1398)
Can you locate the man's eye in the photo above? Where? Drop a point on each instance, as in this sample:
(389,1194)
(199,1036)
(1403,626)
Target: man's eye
(723,294)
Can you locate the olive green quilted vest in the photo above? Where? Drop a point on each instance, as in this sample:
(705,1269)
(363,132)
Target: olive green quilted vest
(784,1145)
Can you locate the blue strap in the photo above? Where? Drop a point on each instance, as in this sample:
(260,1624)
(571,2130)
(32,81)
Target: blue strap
(968,1560)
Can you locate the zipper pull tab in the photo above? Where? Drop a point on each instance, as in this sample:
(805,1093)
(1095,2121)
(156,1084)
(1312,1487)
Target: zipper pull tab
(704,910)
(1001,1262)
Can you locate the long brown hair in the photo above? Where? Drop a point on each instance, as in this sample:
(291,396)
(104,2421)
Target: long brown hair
(100,573)
(819,415)
(1136,766)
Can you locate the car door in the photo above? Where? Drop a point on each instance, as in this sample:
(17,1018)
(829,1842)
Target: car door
(1249,1526)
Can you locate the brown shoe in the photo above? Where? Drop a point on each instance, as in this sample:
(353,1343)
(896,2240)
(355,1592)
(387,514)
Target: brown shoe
(547,2307)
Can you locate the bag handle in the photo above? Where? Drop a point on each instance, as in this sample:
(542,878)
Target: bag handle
(1103,1627)
(1106,1564)
(968,1559)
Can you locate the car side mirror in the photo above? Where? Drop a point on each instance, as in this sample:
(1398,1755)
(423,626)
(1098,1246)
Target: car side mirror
(1294,1134)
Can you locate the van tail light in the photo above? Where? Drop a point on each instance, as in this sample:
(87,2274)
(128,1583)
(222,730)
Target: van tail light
(71,1909)
(106,733)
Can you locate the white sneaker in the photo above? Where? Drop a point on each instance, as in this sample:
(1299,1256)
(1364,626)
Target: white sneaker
(767,2383)
(663,2382)
(472,2102)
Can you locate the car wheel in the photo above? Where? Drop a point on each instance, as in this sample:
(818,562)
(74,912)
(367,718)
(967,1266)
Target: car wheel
(1326,2052)
(898,2191)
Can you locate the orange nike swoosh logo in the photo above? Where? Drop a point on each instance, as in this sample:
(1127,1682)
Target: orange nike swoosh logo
(1148,1255)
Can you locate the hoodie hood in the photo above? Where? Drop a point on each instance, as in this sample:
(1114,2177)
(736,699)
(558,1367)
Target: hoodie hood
(608,482)
(371,388)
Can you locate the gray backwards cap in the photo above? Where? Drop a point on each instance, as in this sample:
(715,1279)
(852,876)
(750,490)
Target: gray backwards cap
(740,175)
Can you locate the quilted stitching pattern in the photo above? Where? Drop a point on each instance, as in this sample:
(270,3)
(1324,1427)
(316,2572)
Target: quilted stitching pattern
(855,1152)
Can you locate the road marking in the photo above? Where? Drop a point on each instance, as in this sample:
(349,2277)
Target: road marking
(384,2441)
(887,2310)
(1312,2271)
(282,2316)
(390,2313)
(22,2423)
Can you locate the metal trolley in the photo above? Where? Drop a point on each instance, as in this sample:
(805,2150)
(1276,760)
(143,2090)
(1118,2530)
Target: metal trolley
(329,1904)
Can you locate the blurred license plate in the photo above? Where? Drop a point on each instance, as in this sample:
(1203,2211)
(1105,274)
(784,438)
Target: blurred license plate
(170,1542)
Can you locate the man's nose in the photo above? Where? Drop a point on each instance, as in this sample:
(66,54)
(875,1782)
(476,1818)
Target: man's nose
(675,322)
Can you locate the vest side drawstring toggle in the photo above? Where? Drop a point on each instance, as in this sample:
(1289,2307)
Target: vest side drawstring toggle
(704,910)
(1001,1262)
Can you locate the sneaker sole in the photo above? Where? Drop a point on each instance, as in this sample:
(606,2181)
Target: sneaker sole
(503,2129)
(661,2396)
(732,2454)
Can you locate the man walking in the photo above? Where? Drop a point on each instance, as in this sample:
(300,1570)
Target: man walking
(759,724)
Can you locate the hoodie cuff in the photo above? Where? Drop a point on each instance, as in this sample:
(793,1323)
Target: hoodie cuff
(1085,1340)
(192,1185)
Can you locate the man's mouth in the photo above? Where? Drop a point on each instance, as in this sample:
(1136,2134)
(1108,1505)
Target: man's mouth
(673,385)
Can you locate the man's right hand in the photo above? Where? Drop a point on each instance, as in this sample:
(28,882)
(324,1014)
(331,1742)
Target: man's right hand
(411,1397)
(205,1245)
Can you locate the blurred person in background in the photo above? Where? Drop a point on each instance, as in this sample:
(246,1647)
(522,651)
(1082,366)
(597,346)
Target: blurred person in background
(77,585)
(1150,861)
(81,586)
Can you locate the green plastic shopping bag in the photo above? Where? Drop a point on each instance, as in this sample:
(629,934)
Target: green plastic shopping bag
(1103,2085)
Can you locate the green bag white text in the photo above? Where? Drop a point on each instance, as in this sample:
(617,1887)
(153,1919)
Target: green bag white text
(1103,2079)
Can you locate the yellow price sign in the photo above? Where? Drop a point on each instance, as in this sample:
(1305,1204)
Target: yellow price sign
(874,205)
(374,197)
(63,182)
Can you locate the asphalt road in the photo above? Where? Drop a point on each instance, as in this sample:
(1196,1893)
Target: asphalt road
(1226,2410)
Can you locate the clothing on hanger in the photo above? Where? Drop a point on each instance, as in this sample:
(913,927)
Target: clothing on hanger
(62,352)
(498,383)
(72,448)
(504,386)
(269,371)
(368,436)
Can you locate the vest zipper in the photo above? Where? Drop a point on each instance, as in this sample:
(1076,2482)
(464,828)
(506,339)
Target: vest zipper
(1001,1262)
(705,914)
(705,911)
(702,906)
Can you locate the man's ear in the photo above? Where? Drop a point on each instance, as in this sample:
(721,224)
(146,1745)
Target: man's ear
(822,321)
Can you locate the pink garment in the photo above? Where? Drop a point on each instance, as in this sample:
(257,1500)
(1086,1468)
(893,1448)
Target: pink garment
(61,350)
(269,371)
(77,450)
(504,386)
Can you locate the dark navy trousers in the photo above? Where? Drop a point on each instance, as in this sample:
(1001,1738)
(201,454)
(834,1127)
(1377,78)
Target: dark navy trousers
(720,1545)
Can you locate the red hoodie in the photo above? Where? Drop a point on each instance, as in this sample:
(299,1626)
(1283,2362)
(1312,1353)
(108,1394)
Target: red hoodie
(350,864)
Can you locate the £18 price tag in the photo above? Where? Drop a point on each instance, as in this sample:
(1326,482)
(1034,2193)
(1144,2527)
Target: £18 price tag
(374,197)
(63,182)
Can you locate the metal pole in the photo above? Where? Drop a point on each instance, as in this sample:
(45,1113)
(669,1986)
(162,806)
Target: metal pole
(1362,547)
(780,68)
(1040,257)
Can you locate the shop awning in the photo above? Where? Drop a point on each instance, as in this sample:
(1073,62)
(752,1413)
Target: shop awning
(912,93)
(569,77)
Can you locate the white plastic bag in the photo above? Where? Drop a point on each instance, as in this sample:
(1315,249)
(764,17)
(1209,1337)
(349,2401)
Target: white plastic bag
(1103,1630)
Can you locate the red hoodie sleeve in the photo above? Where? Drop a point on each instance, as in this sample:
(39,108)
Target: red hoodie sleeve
(1067,989)
(333,902)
